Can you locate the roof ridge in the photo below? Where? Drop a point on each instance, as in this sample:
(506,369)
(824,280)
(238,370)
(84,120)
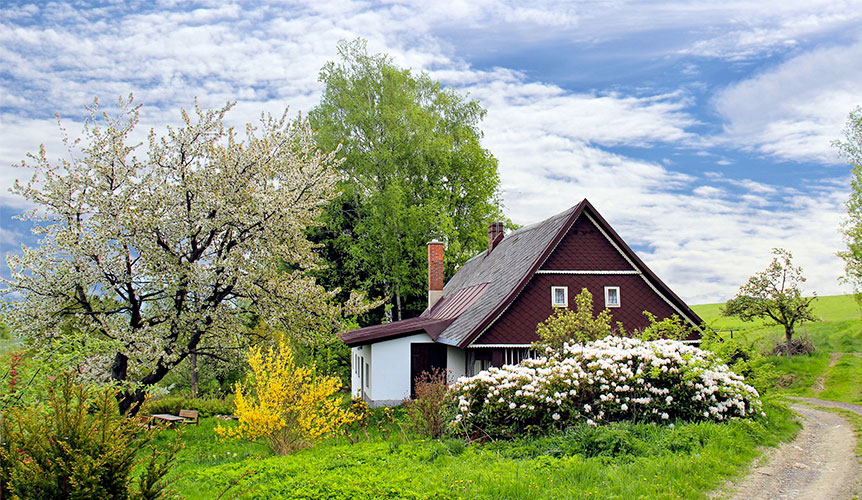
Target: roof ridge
(522,278)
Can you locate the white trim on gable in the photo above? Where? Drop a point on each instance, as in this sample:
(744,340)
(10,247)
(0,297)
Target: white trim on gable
(550,271)
(643,277)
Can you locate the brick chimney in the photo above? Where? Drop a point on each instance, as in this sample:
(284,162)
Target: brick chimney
(495,235)
(435,272)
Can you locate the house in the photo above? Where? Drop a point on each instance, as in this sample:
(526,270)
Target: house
(487,314)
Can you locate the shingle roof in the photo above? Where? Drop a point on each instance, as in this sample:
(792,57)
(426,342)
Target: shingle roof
(369,334)
(504,268)
(486,284)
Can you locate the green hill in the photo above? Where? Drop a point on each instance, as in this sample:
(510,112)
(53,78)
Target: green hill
(830,373)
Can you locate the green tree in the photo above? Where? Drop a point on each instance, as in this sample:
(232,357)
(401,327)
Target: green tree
(574,326)
(774,294)
(413,170)
(851,150)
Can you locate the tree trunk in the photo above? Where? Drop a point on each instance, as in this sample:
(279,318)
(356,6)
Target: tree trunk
(788,334)
(130,401)
(119,367)
(398,304)
(193,361)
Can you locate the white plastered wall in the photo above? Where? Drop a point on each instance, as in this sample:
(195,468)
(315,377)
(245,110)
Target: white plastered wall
(355,366)
(390,370)
(389,383)
(456,363)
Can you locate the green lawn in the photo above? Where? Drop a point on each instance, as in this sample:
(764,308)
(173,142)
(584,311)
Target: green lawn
(839,330)
(620,461)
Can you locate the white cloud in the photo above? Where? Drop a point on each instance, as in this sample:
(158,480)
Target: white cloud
(796,109)
(702,239)
(704,234)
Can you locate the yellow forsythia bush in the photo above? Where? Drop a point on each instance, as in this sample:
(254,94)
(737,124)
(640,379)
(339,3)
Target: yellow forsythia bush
(286,403)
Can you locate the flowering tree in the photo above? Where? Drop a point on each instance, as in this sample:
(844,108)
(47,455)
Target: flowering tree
(851,150)
(774,294)
(160,253)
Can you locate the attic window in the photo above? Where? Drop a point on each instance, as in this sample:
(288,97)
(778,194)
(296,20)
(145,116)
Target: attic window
(559,296)
(612,296)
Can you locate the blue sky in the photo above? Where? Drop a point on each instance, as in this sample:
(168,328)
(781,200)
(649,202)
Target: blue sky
(701,131)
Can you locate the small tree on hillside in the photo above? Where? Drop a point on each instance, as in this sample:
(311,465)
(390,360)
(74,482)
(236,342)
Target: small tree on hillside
(774,294)
(574,326)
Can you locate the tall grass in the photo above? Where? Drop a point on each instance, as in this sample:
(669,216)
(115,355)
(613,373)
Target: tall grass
(619,461)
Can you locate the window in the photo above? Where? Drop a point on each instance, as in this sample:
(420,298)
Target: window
(612,296)
(367,376)
(559,296)
(478,360)
(513,356)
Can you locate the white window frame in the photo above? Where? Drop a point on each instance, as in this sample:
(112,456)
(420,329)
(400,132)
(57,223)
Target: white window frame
(607,296)
(565,290)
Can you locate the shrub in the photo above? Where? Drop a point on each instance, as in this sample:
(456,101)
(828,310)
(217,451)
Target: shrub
(612,379)
(742,358)
(672,327)
(208,407)
(287,404)
(578,325)
(78,445)
(426,412)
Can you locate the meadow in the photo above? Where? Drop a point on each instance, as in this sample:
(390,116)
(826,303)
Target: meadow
(387,459)
(823,375)
(614,461)
(617,461)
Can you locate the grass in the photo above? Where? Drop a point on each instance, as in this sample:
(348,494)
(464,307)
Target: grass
(839,330)
(618,461)
(844,381)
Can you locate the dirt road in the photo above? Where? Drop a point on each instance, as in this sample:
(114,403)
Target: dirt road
(820,464)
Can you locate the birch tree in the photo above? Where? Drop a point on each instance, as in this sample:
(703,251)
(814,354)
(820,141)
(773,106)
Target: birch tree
(159,248)
(414,170)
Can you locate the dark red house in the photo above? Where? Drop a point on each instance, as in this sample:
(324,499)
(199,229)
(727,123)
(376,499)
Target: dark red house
(488,312)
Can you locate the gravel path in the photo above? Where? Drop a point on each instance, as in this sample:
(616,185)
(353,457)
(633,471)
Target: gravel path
(820,464)
(832,404)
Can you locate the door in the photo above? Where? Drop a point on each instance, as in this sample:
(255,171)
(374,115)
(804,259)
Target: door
(425,357)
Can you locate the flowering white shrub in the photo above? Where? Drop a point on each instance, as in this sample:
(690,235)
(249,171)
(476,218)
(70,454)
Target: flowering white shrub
(612,379)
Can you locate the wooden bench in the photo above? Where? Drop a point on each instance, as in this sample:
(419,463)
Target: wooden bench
(167,418)
(190,416)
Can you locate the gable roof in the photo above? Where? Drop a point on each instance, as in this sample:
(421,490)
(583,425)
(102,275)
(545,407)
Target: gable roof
(502,274)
